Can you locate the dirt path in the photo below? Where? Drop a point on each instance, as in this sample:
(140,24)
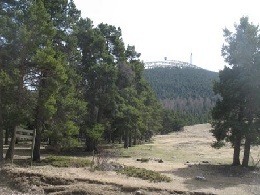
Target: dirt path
(194,167)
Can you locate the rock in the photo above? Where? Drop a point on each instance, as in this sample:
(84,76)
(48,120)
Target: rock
(139,192)
(205,161)
(160,161)
(201,178)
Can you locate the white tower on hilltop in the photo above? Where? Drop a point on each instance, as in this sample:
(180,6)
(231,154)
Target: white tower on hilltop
(190,58)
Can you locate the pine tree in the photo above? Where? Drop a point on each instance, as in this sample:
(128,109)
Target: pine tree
(236,115)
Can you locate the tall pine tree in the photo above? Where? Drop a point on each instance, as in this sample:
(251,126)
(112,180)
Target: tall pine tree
(236,115)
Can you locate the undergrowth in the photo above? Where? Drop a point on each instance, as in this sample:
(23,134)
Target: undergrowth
(63,161)
(145,174)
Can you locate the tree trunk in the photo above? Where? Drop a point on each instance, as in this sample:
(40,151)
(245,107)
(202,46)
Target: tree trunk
(38,127)
(37,145)
(126,139)
(10,152)
(90,144)
(120,139)
(19,106)
(246,152)
(99,114)
(1,135)
(39,119)
(236,154)
(1,145)
(130,140)
(7,132)
(109,136)
(135,138)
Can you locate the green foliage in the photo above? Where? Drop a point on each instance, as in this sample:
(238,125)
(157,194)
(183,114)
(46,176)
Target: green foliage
(63,161)
(96,132)
(63,135)
(144,160)
(145,174)
(171,122)
(186,91)
(181,82)
(4,78)
(218,144)
(68,79)
(236,114)
(118,96)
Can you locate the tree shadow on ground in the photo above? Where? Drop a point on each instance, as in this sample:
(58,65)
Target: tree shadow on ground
(204,176)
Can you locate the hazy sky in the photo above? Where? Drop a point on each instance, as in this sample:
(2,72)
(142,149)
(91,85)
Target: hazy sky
(173,28)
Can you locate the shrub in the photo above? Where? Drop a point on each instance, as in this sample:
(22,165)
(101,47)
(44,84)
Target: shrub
(218,144)
(143,160)
(145,174)
(63,161)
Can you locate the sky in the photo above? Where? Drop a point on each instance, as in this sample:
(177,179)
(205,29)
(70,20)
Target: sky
(173,28)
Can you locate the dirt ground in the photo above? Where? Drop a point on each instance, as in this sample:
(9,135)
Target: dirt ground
(188,159)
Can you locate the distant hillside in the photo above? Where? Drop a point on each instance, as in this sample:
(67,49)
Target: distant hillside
(185,90)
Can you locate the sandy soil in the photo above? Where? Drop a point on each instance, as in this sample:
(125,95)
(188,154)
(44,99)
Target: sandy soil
(194,167)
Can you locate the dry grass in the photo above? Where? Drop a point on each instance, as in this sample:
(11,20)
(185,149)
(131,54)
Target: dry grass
(185,156)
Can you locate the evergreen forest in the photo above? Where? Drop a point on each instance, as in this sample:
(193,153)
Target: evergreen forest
(187,91)
(70,80)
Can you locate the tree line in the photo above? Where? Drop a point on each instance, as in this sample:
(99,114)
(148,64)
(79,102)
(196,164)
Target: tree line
(68,79)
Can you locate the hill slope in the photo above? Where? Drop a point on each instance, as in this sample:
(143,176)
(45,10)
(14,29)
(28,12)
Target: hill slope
(185,90)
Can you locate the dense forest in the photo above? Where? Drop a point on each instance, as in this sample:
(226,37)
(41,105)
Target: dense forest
(70,80)
(187,91)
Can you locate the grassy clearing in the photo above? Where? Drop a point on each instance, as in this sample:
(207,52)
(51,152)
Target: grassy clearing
(131,171)
(184,156)
(63,161)
(191,145)
(154,150)
(147,151)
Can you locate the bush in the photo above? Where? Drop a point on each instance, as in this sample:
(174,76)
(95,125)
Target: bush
(143,160)
(218,144)
(145,174)
(63,161)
